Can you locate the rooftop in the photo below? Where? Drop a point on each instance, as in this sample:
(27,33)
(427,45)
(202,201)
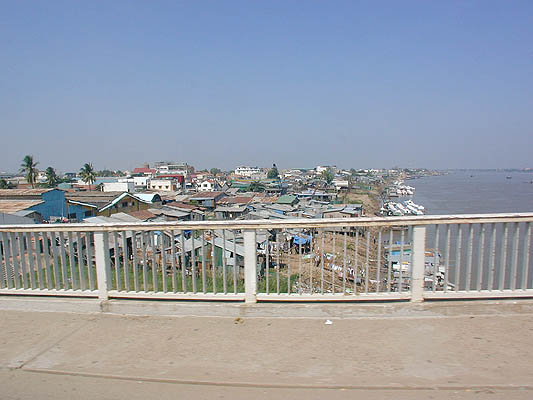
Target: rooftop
(24,192)
(12,206)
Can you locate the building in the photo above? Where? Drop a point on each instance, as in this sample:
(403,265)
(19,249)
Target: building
(230,212)
(82,205)
(247,171)
(145,171)
(123,186)
(49,203)
(287,199)
(206,199)
(207,185)
(321,168)
(165,185)
(170,167)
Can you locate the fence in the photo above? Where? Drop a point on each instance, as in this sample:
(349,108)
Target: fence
(391,258)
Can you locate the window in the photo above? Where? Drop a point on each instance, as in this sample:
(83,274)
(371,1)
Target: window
(72,216)
(124,204)
(88,213)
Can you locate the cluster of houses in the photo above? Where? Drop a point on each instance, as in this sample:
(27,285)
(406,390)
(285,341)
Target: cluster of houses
(55,205)
(171,191)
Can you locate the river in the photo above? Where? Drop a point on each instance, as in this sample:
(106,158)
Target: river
(474,192)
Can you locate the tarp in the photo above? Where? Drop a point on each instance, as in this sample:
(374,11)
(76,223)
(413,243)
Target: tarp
(304,239)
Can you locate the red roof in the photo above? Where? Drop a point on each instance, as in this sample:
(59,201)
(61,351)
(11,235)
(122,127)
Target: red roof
(182,205)
(205,195)
(142,214)
(144,171)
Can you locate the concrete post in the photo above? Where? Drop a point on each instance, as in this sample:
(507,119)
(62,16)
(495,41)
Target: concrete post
(102,261)
(250,266)
(418,259)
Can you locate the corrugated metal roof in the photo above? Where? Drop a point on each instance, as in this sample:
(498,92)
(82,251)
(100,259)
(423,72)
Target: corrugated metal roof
(23,192)
(12,206)
(9,219)
(205,195)
(143,215)
(230,209)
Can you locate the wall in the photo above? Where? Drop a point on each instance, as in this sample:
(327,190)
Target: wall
(119,187)
(54,204)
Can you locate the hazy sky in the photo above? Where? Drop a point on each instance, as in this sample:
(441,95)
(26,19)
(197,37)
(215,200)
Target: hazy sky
(432,84)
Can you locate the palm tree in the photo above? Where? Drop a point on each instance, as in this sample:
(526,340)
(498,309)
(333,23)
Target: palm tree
(51,177)
(29,169)
(87,174)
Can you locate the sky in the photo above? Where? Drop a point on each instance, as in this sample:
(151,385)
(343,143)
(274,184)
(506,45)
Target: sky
(363,84)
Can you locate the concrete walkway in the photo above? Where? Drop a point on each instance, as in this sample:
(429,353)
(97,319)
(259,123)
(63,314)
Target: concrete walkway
(402,351)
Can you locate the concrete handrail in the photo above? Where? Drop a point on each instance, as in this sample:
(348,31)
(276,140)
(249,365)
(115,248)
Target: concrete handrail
(273,224)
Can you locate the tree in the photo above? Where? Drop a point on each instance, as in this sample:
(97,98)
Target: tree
(328,176)
(51,177)
(256,186)
(87,173)
(29,169)
(273,172)
(4,184)
(215,171)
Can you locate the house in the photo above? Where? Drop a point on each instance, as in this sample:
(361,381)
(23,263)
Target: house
(343,211)
(166,185)
(196,212)
(171,214)
(287,199)
(82,205)
(47,202)
(206,199)
(316,195)
(207,185)
(143,215)
(236,200)
(230,212)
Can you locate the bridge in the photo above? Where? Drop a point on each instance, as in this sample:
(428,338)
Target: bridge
(269,308)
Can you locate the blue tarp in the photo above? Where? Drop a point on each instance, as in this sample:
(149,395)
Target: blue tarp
(304,239)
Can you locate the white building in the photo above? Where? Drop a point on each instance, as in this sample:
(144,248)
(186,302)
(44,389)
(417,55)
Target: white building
(207,185)
(247,171)
(119,187)
(341,184)
(321,168)
(140,182)
(167,167)
(165,185)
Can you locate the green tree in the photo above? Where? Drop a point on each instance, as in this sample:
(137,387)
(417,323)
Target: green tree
(29,169)
(256,186)
(51,177)
(215,171)
(87,173)
(273,172)
(4,184)
(328,176)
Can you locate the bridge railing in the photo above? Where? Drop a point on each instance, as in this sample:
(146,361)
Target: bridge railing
(379,258)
